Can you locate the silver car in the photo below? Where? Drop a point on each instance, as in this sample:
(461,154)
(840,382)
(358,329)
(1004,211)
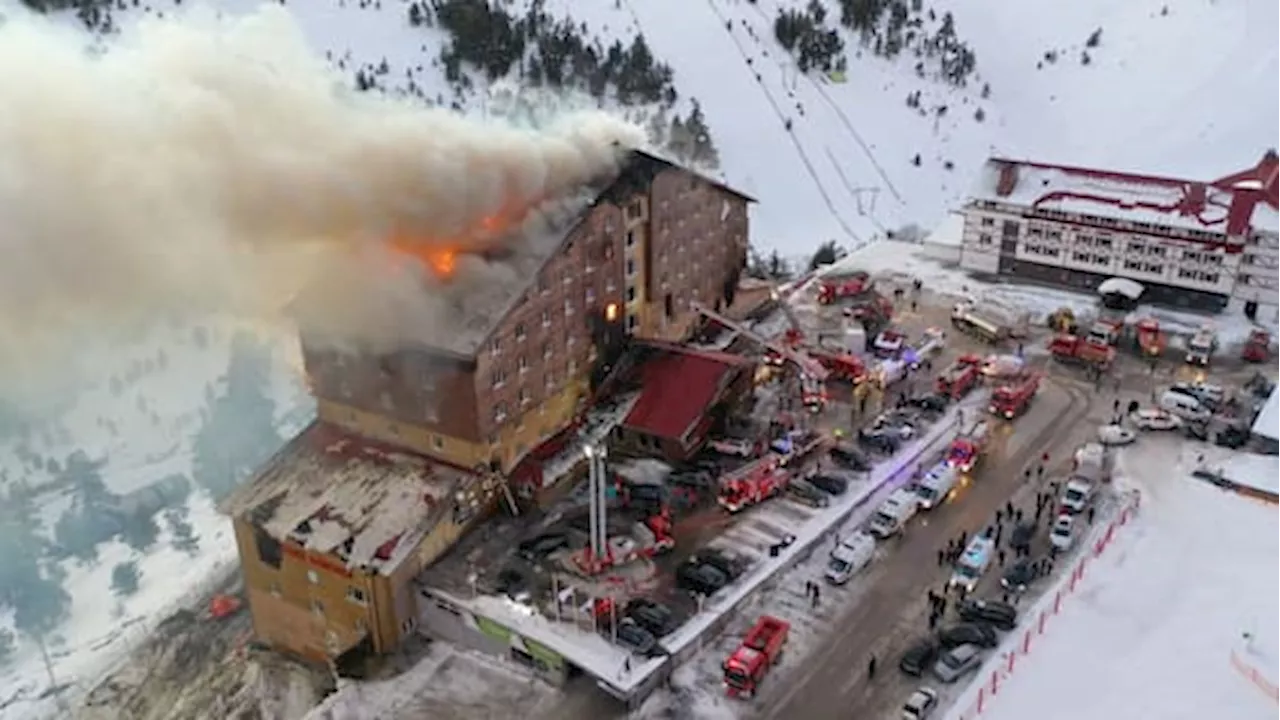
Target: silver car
(957,661)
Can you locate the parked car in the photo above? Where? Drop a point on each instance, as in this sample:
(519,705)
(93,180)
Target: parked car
(832,484)
(1155,419)
(932,402)
(1116,435)
(1197,431)
(1232,436)
(1018,576)
(896,423)
(881,441)
(1076,496)
(1002,615)
(1020,538)
(1062,534)
(1210,396)
(635,638)
(956,662)
(850,457)
(652,616)
(701,578)
(536,549)
(918,657)
(969,633)
(807,494)
(731,565)
(921,704)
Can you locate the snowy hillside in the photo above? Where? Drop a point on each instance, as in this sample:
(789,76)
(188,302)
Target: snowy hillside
(1184,87)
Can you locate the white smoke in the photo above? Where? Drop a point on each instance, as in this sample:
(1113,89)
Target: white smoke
(219,165)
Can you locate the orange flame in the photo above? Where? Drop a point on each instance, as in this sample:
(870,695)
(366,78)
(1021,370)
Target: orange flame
(440,255)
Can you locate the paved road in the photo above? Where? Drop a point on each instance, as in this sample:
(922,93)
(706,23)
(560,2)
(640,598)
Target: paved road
(832,681)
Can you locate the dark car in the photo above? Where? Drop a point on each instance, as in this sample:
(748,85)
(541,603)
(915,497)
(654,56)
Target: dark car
(1233,437)
(970,633)
(882,441)
(1021,536)
(635,638)
(536,549)
(701,578)
(510,582)
(807,494)
(692,478)
(831,484)
(731,566)
(1197,431)
(1002,615)
(1019,575)
(930,403)
(919,657)
(652,616)
(850,457)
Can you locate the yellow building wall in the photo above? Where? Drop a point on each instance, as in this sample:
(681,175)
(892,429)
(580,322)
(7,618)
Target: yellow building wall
(301,607)
(527,430)
(457,451)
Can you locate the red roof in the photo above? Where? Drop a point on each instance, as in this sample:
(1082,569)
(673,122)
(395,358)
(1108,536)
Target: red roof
(1222,204)
(678,386)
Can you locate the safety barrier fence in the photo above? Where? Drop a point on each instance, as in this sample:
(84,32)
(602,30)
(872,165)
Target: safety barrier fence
(1254,676)
(978,697)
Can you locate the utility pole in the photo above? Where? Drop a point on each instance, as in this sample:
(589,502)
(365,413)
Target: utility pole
(63,707)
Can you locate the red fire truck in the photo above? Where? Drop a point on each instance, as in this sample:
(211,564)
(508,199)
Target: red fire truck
(759,651)
(1258,347)
(1011,400)
(835,289)
(753,484)
(958,379)
(1150,340)
(841,365)
(1076,350)
(967,449)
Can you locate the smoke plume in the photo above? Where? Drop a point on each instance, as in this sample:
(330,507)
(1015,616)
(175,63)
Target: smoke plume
(218,165)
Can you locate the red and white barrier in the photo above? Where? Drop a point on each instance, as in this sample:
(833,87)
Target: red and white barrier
(976,699)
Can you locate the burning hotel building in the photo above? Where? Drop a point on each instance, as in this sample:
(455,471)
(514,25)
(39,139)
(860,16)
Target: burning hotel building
(412,446)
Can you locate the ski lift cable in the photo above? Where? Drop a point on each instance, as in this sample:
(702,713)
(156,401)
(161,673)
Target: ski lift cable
(856,192)
(804,157)
(844,118)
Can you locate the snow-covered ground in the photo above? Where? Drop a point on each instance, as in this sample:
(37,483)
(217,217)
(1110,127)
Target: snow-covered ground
(843,169)
(138,412)
(1177,620)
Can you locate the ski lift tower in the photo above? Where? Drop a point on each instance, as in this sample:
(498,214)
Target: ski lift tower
(597,556)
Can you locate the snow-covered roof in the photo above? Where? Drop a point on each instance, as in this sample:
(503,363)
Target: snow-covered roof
(1121,286)
(1160,201)
(1267,424)
(333,493)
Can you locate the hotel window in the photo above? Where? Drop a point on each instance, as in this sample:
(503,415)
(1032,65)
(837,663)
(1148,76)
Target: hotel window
(568,307)
(984,239)
(522,364)
(317,607)
(631,293)
(497,378)
(520,332)
(313,577)
(546,350)
(523,397)
(546,318)
(356,595)
(987,222)
(499,413)
(631,238)
(631,266)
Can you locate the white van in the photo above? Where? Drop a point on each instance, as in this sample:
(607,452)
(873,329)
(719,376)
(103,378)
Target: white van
(1184,406)
(850,556)
(934,488)
(893,514)
(1076,495)
(972,564)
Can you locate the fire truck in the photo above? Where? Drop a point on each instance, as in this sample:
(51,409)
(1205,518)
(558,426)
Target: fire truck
(889,343)
(957,380)
(1150,340)
(1076,350)
(1011,400)
(1201,346)
(874,312)
(842,365)
(850,286)
(753,485)
(759,651)
(966,449)
(1258,347)
(1106,331)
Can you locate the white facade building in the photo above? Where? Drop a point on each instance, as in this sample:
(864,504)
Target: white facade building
(1191,244)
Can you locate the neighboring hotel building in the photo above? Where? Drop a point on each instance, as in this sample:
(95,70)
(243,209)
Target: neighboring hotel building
(410,448)
(1190,243)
